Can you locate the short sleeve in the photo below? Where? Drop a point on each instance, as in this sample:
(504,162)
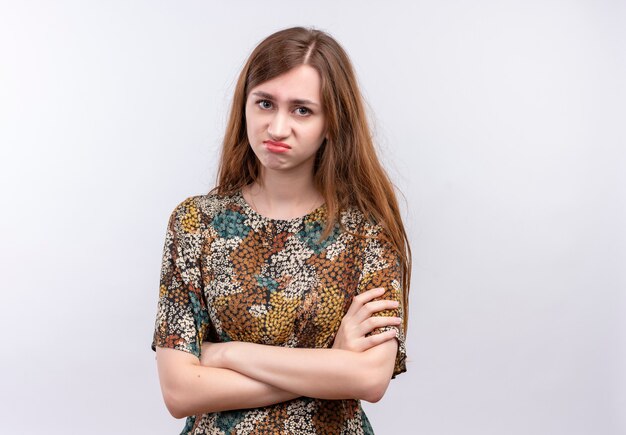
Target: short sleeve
(182,319)
(381,268)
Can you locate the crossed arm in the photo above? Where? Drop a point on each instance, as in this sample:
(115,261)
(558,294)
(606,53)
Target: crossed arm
(235,375)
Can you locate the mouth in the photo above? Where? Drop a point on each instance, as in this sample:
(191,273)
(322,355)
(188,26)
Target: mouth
(276,147)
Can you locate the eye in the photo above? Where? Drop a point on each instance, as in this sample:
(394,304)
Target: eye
(264,104)
(303,111)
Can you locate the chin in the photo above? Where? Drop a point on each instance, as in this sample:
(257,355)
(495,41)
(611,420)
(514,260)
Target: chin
(273,162)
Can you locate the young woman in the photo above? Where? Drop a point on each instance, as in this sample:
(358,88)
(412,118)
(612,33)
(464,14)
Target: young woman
(284,291)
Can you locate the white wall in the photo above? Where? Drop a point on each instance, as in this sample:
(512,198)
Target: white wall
(502,122)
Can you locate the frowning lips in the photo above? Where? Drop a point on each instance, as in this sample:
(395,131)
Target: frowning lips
(278,144)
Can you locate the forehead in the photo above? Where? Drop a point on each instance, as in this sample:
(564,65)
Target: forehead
(301,82)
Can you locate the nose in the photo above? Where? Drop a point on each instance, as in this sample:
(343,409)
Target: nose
(279,127)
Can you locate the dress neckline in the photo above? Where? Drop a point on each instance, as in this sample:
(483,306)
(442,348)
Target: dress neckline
(253,212)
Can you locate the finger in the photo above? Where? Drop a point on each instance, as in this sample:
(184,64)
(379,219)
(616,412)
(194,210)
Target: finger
(373,307)
(375,340)
(363,298)
(378,322)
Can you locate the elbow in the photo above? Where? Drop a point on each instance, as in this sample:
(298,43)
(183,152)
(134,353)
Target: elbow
(174,402)
(176,376)
(374,383)
(378,366)
(375,390)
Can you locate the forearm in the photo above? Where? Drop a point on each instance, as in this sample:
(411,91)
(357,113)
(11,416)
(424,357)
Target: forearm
(191,388)
(321,373)
(211,389)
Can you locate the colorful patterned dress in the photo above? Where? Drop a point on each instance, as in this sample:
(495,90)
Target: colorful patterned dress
(231,274)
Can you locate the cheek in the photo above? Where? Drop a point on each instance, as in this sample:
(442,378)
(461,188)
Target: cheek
(250,124)
(254,122)
(316,132)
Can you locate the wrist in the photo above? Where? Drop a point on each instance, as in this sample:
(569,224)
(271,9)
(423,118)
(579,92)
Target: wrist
(226,353)
(238,354)
(213,354)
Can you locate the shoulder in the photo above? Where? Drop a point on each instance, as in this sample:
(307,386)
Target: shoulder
(355,221)
(194,213)
(377,249)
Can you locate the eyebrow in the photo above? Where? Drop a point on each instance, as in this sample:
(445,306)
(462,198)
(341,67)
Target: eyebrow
(294,101)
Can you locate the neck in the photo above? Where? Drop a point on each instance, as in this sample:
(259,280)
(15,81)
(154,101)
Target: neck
(283,195)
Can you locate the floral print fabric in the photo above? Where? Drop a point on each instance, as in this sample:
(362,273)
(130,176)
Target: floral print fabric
(229,273)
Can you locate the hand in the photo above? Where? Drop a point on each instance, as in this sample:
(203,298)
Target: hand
(359,321)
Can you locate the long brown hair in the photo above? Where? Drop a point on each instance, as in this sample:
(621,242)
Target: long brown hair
(347,171)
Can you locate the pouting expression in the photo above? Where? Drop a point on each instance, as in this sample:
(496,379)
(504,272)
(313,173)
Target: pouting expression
(284,120)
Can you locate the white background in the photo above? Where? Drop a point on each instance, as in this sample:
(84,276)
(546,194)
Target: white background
(501,122)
